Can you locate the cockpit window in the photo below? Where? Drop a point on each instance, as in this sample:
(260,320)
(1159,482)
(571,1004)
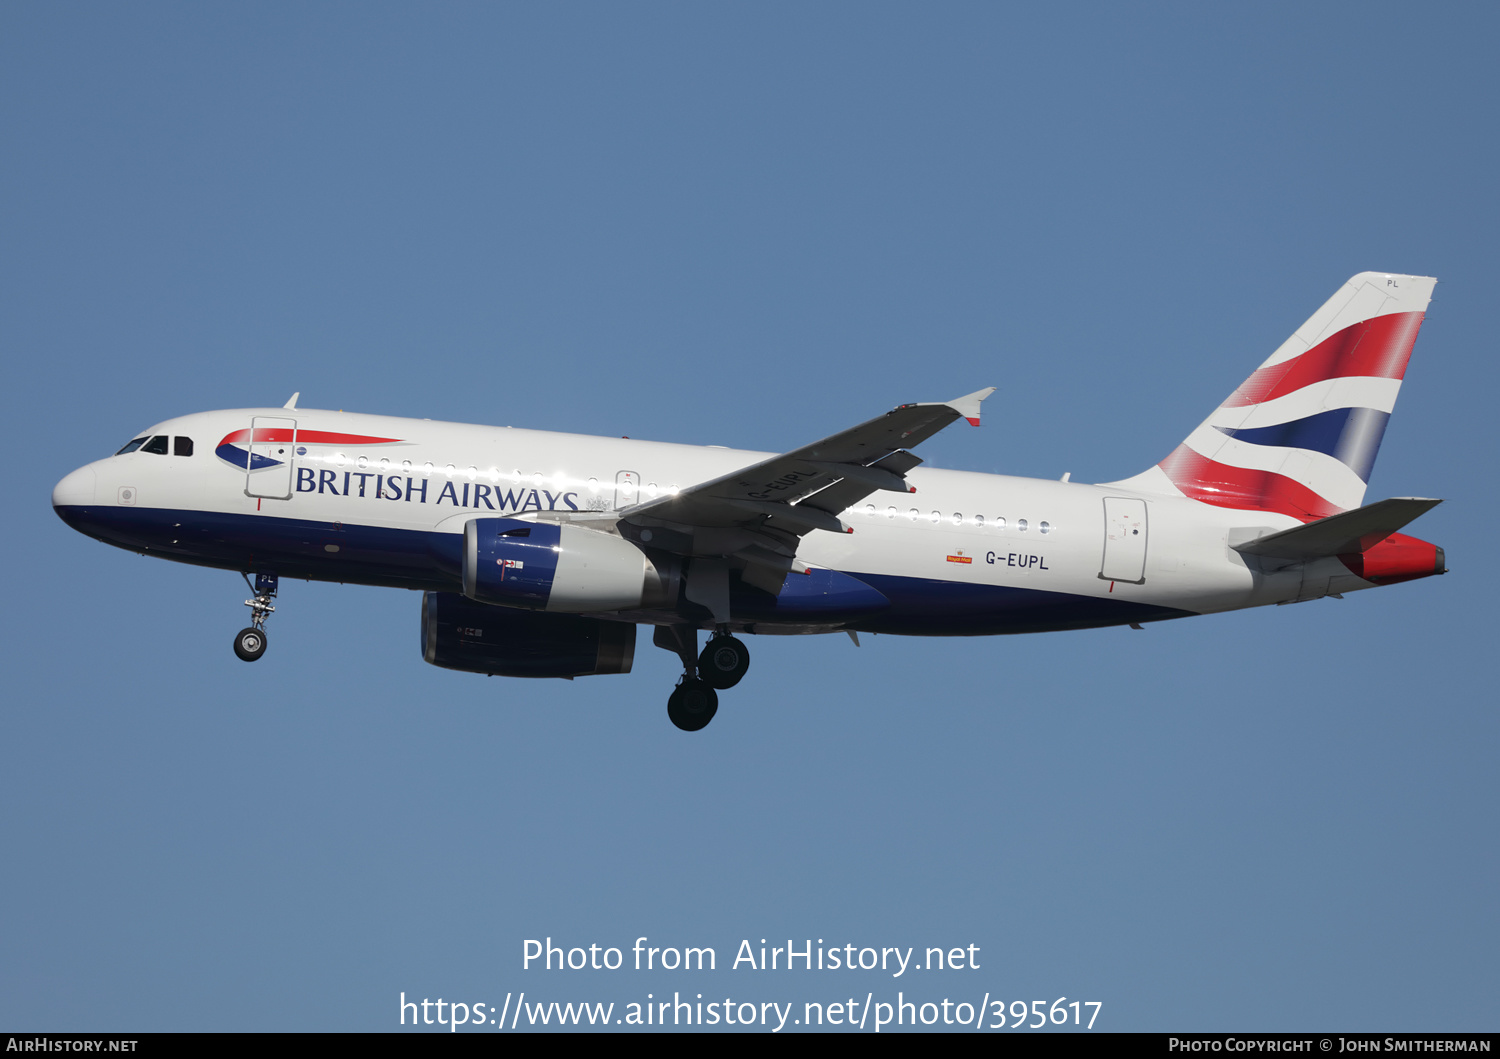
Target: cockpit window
(157,445)
(182,446)
(131,446)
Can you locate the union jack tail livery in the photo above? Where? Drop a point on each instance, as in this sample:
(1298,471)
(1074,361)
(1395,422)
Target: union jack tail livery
(1299,436)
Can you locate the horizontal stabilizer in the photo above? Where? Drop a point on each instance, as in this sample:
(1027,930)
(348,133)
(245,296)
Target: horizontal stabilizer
(1348,533)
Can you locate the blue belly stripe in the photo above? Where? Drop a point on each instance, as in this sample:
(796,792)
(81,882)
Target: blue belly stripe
(423,559)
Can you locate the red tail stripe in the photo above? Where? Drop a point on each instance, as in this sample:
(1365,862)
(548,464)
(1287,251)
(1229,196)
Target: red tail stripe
(1379,347)
(1239,487)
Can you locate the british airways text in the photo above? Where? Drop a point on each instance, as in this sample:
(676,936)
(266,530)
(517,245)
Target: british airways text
(460,494)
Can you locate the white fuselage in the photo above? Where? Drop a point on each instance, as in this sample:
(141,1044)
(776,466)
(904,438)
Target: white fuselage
(369,510)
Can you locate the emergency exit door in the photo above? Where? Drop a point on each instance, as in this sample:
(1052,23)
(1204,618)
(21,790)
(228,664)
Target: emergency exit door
(627,490)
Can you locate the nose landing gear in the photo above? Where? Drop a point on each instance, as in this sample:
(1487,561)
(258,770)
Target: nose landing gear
(250,644)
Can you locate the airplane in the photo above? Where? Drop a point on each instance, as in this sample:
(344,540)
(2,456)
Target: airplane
(538,554)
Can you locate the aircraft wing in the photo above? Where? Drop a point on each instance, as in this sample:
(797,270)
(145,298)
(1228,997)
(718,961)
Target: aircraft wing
(759,512)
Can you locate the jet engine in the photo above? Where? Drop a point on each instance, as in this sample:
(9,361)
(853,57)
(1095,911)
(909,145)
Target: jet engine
(458,633)
(561,568)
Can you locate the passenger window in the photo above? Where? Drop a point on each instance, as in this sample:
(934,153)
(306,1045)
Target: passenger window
(1045,527)
(131,446)
(157,445)
(1021,525)
(182,446)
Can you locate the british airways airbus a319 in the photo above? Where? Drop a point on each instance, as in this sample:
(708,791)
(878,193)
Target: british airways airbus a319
(538,553)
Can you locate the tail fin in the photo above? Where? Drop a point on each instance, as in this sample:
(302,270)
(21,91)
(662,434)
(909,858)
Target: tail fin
(1300,435)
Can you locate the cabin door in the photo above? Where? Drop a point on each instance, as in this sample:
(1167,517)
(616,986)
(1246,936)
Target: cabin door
(270,453)
(1124,540)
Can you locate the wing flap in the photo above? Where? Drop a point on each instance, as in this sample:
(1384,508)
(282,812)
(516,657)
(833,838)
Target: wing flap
(844,494)
(840,469)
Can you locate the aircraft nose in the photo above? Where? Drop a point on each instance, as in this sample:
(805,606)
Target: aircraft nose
(76,490)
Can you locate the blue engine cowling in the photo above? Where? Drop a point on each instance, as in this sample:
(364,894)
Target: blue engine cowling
(458,633)
(559,567)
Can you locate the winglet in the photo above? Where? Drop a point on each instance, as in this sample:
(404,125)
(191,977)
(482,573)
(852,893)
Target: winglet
(968,405)
(292,401)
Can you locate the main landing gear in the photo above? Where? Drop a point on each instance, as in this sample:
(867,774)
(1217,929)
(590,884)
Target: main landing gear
(723,662)
(692,704)
(250,643)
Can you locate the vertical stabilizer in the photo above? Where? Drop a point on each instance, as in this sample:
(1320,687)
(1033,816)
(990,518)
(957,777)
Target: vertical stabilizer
(1300,435)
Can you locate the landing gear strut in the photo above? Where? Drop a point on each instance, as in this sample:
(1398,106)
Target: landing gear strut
(721,665)
(250,644)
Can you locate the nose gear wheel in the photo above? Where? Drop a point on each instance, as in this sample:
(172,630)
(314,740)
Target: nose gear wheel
(250,644)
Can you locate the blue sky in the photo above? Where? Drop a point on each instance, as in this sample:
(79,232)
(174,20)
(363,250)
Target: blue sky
(747,225)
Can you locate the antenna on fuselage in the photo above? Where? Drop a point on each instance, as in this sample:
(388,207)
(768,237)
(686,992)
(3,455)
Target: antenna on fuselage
(292,401)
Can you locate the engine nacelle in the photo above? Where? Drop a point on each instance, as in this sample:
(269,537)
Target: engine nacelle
(560,568)
(501,641)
